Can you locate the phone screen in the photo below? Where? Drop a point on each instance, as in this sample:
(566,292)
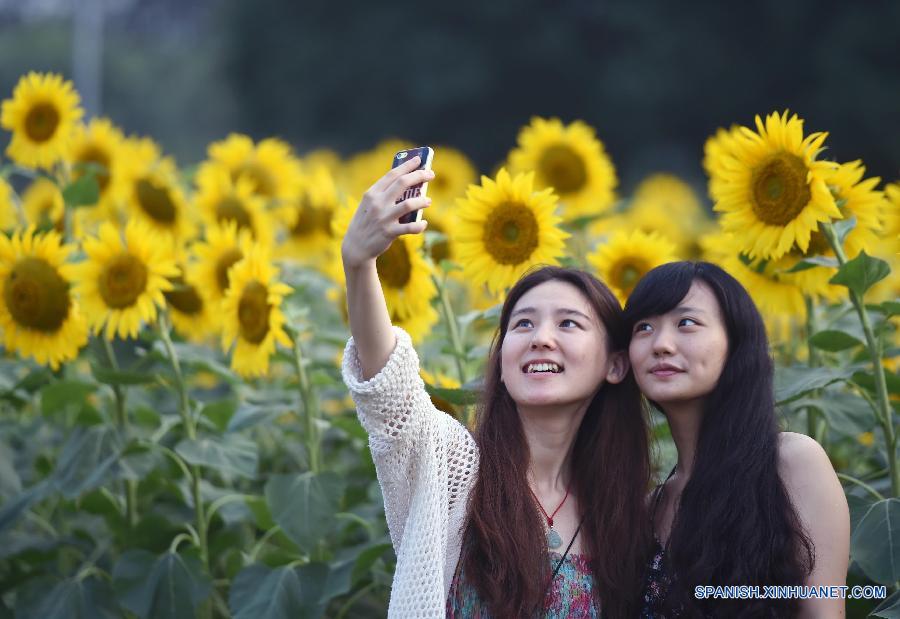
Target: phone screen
(426,154)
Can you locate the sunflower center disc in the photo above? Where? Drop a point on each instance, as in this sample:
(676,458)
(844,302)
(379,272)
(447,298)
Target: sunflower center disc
(41,122)
(780,190)
(253,312)
(627,274)
(563,169)
(394,266)
(155,201)
(441,249)
(309,218)
(92,154)
(225,261)
(36,295)
(231,209)
(511,233)
(123,281)
(263,183)
(184,298)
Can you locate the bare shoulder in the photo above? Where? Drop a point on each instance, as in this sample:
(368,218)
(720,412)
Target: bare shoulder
(800,456)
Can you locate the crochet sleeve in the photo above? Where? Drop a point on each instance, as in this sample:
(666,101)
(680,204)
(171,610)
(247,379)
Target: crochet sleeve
(410,439)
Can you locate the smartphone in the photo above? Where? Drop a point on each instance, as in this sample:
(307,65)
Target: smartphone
(426,155)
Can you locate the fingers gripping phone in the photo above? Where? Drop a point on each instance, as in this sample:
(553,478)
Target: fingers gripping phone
(426,155)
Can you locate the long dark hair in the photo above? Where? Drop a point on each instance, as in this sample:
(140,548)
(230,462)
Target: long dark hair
(735,524)
(505,555)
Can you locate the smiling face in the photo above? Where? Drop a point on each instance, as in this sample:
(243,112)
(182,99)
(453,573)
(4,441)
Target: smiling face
(555,349)
(678,356)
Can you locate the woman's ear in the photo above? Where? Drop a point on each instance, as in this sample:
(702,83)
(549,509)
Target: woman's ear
(618,367)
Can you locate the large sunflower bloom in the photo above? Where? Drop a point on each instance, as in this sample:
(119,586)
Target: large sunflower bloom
(571,160)
(307,218)
(154,194)
(504,228)
(270,167)
(252,320)
(38,315)
(43,204)
(771,189)
(221,199)
(624,259)
(41,115)
(123,279)
(225,245)
(405,275)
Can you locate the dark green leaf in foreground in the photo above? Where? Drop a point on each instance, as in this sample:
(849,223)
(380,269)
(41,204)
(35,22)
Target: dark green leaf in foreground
(875,543)
(259,592)
(793,382)
(861,273)
(232,454)
(169,586)
(304,505)
(87,598)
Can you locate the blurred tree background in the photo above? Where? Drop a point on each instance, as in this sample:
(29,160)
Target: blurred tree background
(654,78)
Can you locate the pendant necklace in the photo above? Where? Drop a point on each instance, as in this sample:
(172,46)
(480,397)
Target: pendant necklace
(554,541)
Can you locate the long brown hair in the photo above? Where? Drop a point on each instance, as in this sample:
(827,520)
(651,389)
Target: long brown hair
(505,554)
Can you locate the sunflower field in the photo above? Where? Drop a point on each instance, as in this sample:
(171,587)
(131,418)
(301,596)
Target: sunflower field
(175,437)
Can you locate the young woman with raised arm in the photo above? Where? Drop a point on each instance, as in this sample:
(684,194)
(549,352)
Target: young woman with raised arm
(746,504)
(542,510)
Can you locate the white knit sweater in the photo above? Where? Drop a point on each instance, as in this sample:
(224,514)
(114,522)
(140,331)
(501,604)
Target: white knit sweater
(426,463)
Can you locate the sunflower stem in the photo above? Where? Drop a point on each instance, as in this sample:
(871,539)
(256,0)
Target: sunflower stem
(814,423)
(884,412)
(310,404)
(452,328)
(858,482)
(122,423)
(190,428)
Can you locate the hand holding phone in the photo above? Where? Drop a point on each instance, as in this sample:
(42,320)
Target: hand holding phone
(426,155)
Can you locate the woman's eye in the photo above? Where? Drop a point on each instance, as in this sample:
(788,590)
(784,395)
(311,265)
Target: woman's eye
(687,322)
(643,326)
(521,323)
(570,321)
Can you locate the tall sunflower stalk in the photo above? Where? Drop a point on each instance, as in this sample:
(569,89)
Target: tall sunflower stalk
(309,399)
(882,405)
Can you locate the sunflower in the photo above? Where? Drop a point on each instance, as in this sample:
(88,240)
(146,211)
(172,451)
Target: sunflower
(624,259)
(307,218)
(100,143)
(41,115)
(856,197)
(777,296)
(453,175)
(363,169)
(405,275)
(43,204)
(323,157)
(571,160)
(270,168)
(252,320)
(441,381)
(221,199)
(123,279)
(154,194)
(771,189)
(717,150)
(39,317)
(8,218)
(224,246)
(504,227)
(191,310)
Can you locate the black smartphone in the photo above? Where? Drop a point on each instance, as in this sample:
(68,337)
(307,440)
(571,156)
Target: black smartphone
(426,155)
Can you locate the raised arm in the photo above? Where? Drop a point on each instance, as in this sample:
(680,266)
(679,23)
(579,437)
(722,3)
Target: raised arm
(372,230)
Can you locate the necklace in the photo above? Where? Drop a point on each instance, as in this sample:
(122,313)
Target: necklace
(554,541)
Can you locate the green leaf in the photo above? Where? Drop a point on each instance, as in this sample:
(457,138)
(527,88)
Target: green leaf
(454,396)
(813,262)
(861,273)
(219,412)
(847,414)
(843,228)
(834,341)
(232,454)
(249,415)
(448,265)
(260,510)
(13,508)
(875,543)
(259,592)
(890,308)
(109,376)
(73,598)
(889,608)
(84,191)
(795,381)
(59,396)
(304,506)
(866,379)
(169,586)
(88,457)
